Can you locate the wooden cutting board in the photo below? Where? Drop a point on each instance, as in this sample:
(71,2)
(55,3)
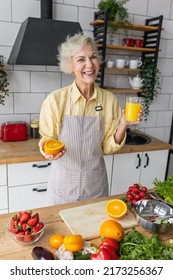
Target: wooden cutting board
(87,219)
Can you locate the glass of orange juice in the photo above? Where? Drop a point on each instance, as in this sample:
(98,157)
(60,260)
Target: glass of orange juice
(133,107)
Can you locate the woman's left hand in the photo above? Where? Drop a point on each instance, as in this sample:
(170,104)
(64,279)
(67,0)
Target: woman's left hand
(124,122)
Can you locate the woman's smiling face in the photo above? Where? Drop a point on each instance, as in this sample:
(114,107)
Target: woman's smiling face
(85,65)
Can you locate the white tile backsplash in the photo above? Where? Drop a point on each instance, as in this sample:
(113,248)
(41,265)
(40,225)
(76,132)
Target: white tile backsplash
(88,3)
(138,7)
(163,8)
(65,12)
(28,102)
(164,118)
(27,8)
(45,81)
(5,10)
(167,85)
(19,81)
(8,33)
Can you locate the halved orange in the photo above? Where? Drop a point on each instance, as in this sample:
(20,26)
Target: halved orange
(53,147)
(116,208)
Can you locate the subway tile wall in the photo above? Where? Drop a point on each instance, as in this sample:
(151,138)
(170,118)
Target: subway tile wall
(29,85)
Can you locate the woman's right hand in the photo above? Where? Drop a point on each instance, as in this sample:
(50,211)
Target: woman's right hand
(49,156)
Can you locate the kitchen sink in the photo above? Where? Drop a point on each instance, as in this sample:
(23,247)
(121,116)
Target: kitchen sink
(134,138)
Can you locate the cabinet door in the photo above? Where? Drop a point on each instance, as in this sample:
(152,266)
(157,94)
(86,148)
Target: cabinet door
(153,166)
(28,173)
(3,197)
(126,171)
(27,197)
(109,164)
(3,175)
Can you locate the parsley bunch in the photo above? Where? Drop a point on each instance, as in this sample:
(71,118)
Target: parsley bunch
(136,246)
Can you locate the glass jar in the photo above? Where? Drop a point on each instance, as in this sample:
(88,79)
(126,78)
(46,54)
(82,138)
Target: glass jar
(34,129)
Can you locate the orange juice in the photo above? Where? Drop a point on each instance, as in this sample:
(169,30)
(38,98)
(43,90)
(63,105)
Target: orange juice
(132,110)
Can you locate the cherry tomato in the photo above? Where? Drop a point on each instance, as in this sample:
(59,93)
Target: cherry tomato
(136,190)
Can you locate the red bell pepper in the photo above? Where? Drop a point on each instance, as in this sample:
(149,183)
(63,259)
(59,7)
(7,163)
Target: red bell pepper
(104,253)
(110,242)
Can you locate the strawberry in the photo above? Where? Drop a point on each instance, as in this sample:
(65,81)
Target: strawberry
(25,227)
(27,238)
(25,216)
(20,235)
(38,227)
(33,220)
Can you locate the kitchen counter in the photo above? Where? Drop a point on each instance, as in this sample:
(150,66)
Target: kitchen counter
(9,249)
(28,151)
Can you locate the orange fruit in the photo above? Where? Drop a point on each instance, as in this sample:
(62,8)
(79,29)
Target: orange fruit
(56,240)
(53,147)
(116,208)
(112,229)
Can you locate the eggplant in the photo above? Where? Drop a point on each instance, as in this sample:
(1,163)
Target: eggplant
(41,253)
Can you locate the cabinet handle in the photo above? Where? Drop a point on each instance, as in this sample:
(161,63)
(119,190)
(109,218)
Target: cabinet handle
(139,161)
(39,190)
(41,165)
(147,161)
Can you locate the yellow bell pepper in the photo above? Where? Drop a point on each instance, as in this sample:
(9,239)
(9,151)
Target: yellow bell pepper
(73,243)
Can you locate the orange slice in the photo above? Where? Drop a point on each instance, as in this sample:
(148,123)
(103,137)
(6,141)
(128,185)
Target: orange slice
(116,208)
(53,147)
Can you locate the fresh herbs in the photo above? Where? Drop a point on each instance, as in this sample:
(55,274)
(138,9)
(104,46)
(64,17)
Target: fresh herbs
(136,246)
(164,189)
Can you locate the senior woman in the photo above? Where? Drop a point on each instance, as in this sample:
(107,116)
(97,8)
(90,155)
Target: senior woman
(87,119)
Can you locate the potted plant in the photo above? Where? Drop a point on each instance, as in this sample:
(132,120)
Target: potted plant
(3,82)
(117,14)
(150,84)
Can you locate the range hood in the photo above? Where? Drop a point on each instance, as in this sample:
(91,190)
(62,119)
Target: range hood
(38,38)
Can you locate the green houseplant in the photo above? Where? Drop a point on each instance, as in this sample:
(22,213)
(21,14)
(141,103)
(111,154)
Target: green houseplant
(3,82)
(117,14)
(150,76)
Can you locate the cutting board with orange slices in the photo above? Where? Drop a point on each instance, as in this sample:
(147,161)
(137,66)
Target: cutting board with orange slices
(87,219)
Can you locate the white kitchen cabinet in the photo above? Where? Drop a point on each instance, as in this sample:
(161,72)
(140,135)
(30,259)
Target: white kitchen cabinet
(109,164)
(27,185)
(3,190)
(3,199)
(141,168)
(27,197)
(3,175)
(28,173)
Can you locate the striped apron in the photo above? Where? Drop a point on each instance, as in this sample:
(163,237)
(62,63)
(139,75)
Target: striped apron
(81,172)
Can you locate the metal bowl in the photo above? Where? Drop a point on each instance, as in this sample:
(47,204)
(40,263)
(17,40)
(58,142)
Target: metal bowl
(146,208)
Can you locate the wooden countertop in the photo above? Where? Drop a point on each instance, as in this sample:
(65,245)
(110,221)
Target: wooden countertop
(28,151)
(10,250)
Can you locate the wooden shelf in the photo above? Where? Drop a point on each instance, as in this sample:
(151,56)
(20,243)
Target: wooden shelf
(121,90)
(122,69)
(124,48)
(137,27)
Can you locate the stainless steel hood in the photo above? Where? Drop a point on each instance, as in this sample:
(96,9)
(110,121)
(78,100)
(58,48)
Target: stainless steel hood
(38,38)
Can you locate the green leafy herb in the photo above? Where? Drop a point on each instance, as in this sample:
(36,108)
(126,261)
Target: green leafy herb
(136,246)
(164,189)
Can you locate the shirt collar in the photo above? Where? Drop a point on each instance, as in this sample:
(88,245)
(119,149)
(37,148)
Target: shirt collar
(75,93)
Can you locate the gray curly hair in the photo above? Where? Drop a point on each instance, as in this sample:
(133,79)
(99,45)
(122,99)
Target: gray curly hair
(70,47)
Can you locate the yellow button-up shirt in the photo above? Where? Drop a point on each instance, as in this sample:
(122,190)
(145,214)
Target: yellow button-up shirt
(54,108)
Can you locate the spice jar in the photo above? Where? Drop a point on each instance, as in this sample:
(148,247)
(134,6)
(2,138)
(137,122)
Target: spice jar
(34,129)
